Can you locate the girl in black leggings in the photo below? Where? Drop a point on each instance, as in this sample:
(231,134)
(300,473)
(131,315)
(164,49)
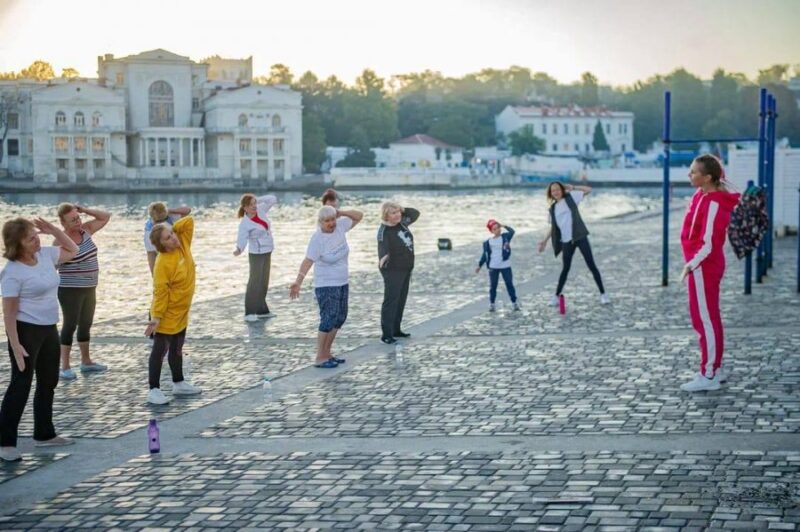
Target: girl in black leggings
(568,233)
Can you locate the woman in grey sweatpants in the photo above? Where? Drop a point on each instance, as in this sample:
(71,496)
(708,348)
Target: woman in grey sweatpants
(255,233)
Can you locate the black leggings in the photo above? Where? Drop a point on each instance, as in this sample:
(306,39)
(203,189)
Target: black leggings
(395,294)
(77,306)
(567,251)
(41,343)
(163,343)
(255,299)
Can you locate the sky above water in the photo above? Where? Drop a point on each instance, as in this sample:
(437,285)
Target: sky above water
(620,41)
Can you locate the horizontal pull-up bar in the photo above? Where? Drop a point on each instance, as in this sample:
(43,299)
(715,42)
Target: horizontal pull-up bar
(697,141)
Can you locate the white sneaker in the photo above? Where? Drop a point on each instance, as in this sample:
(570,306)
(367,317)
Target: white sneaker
(156,397)
(10,454)
(67,374)
(701,383)
(184,388)
(267,316)
(492,307)
(724,374)
(604,299)
(251,317)
(553,301)
(516,306)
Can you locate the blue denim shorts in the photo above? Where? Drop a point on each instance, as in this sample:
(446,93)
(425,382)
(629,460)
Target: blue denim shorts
(332,302)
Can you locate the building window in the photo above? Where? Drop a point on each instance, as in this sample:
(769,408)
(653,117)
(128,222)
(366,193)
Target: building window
(244,146)
(242,120)
(276,120)
(80,164)
(61,143)
(13,121)
(98,144)
(80,143)
(13,147)
(120,78)
(195,104)
(555,147)
(277,147)
(619,129)
(587,148)
(61,119)
(96,116)
(79,120)
(566,129)
(608,129)
(61,164)
(162,107)
(576,129)
(623,148)
(577,147)
(586,129)
(566,147)
(544,129)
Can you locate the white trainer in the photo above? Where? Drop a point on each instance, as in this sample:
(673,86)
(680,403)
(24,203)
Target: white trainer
(604,299)
(156,397)
(492,307)
(701,383)
(184,388)
(267,316)
(10,454)
(251,317)
(553,301)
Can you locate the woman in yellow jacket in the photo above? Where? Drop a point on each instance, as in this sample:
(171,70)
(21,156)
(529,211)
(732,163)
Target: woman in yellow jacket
(173,289)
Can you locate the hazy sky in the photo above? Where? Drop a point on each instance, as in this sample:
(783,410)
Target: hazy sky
(620,41)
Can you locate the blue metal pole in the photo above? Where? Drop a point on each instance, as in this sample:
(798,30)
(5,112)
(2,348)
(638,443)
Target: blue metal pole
(665,191)
(762,137)
(748,264)
(773,115)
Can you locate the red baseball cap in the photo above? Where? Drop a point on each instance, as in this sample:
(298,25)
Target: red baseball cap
(491,223)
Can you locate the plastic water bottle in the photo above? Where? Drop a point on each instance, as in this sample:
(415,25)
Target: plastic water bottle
(399,359)
(562,304)
(153,437)
(267,387)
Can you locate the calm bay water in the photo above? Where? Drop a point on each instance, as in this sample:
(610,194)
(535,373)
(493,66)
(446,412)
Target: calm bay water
(459,215)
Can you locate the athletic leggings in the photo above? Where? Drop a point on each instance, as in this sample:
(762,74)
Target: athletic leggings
(395,295)
(162,343)
(567,252)
(41,344)
(255,299)
(77,307)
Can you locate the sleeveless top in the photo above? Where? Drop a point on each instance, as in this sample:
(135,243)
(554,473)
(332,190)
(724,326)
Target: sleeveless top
(84,270)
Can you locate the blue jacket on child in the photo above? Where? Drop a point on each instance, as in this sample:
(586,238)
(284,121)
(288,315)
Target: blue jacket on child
(487,250)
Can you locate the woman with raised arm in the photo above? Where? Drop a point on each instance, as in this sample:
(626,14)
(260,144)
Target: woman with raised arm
(328,253)
(255,233)
(29,282)
(77,291)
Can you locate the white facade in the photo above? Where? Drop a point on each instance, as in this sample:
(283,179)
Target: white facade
(423,151)
(569,130)
(155,115)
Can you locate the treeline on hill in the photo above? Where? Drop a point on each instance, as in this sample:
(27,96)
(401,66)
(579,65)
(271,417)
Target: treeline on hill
(374,111)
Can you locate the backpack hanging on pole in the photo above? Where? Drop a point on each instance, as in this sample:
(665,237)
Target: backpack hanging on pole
(749,221)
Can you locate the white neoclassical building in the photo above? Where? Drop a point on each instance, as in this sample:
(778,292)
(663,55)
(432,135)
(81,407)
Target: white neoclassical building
(155,115)
(569,130)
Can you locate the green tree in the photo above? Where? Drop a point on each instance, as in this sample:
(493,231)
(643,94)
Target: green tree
(38,70)
(313,141)
(524,141)
(776,74)
(589,90)
(69,73)
(599,142)
(279,74)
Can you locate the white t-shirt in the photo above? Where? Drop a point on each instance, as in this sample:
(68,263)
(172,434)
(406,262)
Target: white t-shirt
(148,228)
(329,251)
(564,215)
(35,286)
(496,261)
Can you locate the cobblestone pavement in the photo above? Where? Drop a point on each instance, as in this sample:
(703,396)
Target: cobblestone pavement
(599,371)
(441,491)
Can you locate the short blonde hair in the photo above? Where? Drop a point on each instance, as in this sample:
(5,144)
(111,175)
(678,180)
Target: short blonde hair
(64,209)
(158,211)
(325,212)
(387,206)
(155,236)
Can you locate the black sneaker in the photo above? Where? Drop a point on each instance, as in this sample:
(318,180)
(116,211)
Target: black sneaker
(401,334)
(388,340)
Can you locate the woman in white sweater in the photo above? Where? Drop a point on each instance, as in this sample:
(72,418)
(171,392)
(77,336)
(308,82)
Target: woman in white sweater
(255,233)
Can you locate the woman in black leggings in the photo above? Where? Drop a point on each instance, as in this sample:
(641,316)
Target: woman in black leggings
(568,233)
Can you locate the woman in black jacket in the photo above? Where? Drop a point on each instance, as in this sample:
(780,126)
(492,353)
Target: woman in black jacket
(396,261)
(568,232)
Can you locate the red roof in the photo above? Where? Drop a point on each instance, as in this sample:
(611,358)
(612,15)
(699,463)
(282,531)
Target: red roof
(569,110)
(420,138)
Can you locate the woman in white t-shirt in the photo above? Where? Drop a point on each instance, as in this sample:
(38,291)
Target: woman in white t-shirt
(255,233)
(328,252)
(568,233)
(29,282)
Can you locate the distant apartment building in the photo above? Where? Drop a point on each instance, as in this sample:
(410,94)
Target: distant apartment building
(155,115)
(569,130)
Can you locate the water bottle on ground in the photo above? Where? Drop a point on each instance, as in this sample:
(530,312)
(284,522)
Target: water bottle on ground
(153,437)
(267,387)
(562,304)
(399,359)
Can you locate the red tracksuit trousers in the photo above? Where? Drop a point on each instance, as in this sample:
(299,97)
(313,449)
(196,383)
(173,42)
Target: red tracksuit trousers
(704,282)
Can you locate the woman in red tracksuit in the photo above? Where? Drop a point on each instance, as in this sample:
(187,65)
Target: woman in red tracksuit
(702,239)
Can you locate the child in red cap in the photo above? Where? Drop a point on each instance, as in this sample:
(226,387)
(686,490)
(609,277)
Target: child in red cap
(497,257)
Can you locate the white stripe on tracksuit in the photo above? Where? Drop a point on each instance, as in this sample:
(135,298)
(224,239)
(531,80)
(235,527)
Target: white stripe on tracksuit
(700,289)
